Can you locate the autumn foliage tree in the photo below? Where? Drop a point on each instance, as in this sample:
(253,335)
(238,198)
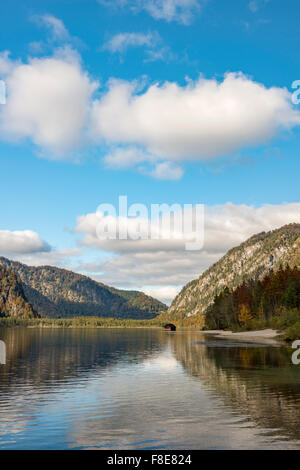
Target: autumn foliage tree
(244,316)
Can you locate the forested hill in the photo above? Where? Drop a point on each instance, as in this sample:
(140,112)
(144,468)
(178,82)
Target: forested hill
(55,292)
(253,259)
(140,300)
(13,302)
(273,301)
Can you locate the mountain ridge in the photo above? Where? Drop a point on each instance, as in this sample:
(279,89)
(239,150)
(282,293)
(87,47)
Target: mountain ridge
(57,292)
(252,259)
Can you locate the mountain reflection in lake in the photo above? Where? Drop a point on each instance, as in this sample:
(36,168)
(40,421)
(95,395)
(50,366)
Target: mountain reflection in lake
(145,388)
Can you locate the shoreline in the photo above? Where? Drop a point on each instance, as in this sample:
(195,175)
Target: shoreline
(266,336)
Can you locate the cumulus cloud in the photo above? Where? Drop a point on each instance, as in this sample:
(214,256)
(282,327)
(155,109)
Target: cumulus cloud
(181,11)
(166,263)
(48,102)
(198,121)
(164,228)
(21,242)
(26,246)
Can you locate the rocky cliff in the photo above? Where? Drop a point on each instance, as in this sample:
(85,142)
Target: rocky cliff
(13,302)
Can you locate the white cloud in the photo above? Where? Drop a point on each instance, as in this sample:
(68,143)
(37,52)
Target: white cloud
(160,52)
(181,11)
(61,258)
(120,158)
(166,263)
(36,47)
(164,294)
(126,157)
(151,42)
(167,171)
(144,270)
(122,41)
(104,231)
(48,101)
(198,121)
(55,26)
(26,246)
(6,64)
(21,242)
(255,5)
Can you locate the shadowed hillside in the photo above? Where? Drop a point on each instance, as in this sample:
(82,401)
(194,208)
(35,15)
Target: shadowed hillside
(56,292)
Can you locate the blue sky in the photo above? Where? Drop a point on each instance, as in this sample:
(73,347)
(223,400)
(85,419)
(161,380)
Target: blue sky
(165,101)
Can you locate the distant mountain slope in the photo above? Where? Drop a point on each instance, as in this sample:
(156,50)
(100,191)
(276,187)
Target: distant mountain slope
(56,292)
(140,300)
(253,259)
(13,302)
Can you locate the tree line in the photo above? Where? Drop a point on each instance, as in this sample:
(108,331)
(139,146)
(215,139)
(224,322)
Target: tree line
(273,301)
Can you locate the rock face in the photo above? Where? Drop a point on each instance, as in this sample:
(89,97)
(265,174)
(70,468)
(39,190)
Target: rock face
(55,292)
(253,259)
(13,302)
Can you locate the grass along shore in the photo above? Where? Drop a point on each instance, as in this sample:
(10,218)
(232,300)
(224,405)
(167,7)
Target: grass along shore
(99,322)
(79,322)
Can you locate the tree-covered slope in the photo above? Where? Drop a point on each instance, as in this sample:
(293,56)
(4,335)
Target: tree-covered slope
(273,301)
(13,302)
(140,300)
(56,292)
(253,259)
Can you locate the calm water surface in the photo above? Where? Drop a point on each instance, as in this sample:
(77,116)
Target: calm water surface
(145,389)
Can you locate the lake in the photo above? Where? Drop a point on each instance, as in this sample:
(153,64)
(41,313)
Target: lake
(145,389)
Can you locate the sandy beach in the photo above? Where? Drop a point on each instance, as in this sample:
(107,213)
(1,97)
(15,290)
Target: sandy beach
(268,336)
